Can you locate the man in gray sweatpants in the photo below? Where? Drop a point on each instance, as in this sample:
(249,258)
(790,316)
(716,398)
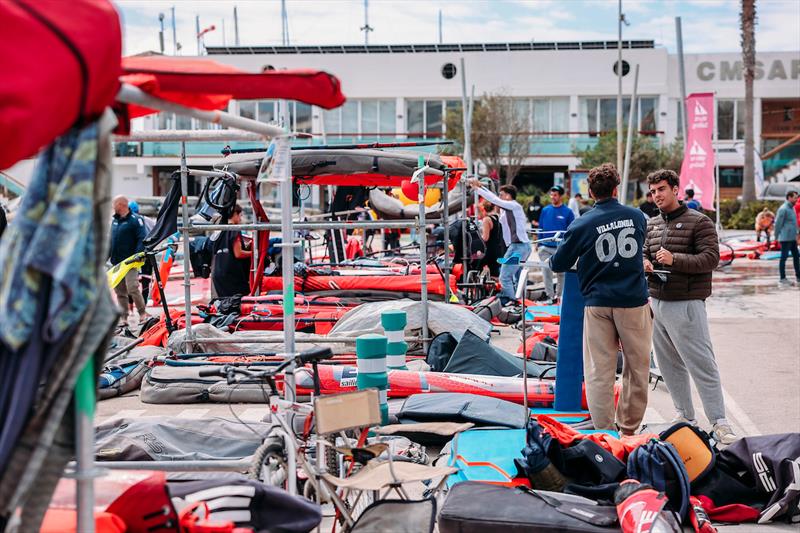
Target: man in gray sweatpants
(684,242)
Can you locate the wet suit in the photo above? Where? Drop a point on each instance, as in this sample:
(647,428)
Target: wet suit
(495,247)
(231,275)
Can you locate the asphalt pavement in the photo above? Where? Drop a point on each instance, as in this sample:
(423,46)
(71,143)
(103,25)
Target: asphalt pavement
(755,329)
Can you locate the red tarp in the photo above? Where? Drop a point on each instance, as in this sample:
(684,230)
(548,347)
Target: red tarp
(206,84)
(60,64)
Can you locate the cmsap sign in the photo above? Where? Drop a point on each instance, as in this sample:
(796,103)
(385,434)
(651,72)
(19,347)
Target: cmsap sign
(734,70)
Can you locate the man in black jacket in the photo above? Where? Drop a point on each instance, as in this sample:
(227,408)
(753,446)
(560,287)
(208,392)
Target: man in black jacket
(607,243)
(127,238)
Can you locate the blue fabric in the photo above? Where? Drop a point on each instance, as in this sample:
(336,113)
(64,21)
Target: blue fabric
(52,235)
(127,236)
(694,204)
(569,363)
(607,243)
(786,223)
(509,271)
(554,219)
(789,247)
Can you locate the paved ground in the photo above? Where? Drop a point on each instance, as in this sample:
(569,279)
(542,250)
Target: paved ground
(755,329)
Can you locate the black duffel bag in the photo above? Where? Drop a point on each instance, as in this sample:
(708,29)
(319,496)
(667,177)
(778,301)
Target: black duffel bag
(474,507)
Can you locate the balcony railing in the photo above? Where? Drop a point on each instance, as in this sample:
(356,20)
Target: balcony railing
(555,143)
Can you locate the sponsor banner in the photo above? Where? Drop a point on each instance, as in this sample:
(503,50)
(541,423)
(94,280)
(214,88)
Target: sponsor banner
(697,170)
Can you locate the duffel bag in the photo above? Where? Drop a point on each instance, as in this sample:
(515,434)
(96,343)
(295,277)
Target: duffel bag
(183,384)
(474,507)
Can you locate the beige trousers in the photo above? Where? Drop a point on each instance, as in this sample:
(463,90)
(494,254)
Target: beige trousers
(604,328)
(130,287)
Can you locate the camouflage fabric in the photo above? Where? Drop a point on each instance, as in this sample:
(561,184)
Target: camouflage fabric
(52,235)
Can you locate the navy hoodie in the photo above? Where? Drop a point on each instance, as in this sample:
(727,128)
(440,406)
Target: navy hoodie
(607,243)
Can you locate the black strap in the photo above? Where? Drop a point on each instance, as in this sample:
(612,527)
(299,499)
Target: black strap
(584,513)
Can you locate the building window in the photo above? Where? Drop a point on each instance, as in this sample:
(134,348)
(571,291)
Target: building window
(600,114)
(349,118)
(387,116)
(267,111)
(548,115)
(369,116)
(730,120)
(165,121)
(300,116)
(182,122)
(359,118)
(434,113)
(247,109)
(428,118)
(731,177)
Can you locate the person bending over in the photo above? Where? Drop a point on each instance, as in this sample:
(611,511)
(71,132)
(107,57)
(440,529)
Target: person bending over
(607,243)
(684,241)
(512,222)
(231,274)
(765,222)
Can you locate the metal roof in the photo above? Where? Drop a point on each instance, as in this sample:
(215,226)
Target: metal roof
(424,48)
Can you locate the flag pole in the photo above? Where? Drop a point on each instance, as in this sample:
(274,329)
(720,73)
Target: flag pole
(716,163)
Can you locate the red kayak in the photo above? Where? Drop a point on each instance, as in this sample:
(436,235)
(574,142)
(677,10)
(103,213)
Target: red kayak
(734,248)
(409,284)
(404,383)
(266,314)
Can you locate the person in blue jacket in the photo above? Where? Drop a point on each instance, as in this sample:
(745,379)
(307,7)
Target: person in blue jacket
(691,203)
(554,220)
(127,238)
(607,243)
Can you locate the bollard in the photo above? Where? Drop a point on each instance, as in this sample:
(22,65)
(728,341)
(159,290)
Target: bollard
(371,360)
(394,324)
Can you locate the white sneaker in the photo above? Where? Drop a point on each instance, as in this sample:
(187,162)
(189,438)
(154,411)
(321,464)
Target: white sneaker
(678,418)
(785,283)
(723,434)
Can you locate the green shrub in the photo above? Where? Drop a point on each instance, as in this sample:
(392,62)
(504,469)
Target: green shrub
(734,215)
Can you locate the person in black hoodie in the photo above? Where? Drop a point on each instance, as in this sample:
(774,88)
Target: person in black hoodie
(607,243)
(231,274)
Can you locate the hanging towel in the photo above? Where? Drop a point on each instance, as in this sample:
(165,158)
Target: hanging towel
(51,237)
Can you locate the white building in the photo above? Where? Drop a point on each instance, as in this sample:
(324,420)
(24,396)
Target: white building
(567,91)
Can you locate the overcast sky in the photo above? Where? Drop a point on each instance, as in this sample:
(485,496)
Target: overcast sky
(708,25)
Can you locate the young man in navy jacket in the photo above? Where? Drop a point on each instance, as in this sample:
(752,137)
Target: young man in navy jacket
(607,242)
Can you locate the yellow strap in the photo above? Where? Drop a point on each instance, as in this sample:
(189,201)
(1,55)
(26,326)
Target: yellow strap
(118,272)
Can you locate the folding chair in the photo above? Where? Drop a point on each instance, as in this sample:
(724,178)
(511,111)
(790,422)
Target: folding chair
(336,414)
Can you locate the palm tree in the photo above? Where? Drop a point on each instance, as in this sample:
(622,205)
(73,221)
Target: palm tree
(748,23)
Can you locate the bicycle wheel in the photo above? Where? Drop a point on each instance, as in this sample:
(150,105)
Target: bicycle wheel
(269,464)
